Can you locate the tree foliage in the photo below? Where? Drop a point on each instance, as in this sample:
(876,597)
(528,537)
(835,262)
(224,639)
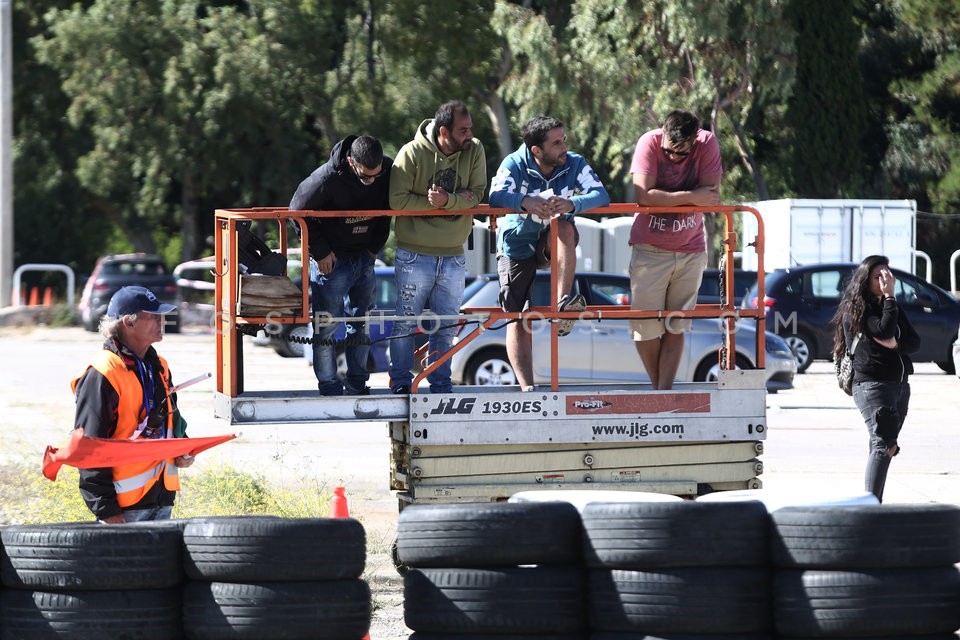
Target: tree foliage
(826,110)
(134,121)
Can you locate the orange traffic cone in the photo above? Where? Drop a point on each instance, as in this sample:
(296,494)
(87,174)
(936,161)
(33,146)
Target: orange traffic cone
(34,297)
(339,509)
(48,297)
(338,503)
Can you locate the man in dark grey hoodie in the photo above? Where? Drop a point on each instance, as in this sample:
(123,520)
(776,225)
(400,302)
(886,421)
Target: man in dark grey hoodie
(343,251)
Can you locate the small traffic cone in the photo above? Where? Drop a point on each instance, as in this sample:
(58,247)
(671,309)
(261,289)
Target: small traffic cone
(48,297)
(34,297)
(338,503)
(339,509)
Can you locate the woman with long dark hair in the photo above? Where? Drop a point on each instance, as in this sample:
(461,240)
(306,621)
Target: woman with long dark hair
(869,322)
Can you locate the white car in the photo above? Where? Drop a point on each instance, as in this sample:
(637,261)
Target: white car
(603,350)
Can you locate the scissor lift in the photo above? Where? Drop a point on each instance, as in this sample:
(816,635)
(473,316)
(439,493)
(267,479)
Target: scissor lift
(486,443)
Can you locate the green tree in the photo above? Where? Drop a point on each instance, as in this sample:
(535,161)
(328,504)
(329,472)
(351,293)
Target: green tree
(191,107)
(54,218)
(826,111)
(934,95)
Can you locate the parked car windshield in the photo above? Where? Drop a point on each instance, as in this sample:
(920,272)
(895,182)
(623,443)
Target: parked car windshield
(128,268)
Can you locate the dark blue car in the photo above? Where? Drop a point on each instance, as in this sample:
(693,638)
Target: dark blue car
(800,303)
(291,341)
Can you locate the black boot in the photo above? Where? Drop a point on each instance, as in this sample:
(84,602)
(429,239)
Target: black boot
(878,462)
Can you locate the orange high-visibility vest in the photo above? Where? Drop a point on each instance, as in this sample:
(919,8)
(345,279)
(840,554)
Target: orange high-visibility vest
(132,481)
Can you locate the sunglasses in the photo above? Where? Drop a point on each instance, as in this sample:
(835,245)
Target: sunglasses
(365,178)
(680,154)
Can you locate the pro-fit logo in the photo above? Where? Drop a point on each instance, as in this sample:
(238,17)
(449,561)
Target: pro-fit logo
(451,407)
(592,404)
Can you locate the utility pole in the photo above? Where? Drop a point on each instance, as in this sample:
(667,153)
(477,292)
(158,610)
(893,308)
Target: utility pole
(6,151)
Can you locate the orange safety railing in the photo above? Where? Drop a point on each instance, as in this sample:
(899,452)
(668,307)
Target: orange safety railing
(229,353)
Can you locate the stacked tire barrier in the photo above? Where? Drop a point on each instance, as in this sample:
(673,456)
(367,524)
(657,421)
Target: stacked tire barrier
(669,569)
(275,578)
(681,571)
(88,580)
(211,578)
(875,571)
(492,570)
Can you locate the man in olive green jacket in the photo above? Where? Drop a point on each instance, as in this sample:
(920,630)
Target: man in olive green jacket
(443,167)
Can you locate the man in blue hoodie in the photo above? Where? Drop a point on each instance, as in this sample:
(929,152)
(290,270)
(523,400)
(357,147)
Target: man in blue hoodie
(541,180)
(343,251)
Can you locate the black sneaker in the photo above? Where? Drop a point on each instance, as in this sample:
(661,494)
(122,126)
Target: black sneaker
(365,391)
(330,392)
(569,303)
(401,389)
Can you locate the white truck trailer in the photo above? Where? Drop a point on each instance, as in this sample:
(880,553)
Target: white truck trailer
(801,231)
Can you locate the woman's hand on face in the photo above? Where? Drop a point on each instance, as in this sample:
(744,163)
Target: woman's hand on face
(887,282)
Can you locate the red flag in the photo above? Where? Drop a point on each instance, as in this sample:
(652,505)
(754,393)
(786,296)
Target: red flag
(83,452)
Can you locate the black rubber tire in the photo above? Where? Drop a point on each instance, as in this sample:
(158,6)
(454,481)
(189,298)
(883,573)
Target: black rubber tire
(334,610)
(646,535)
(152,614)
(866,536)
(267,549)
(519,600)
(287,348)
(677,601)
(804,348)
(90,556)
(878,602)
(612,635)
(487,355)
(494,534)
(923,636)
(702,373)
(498,636)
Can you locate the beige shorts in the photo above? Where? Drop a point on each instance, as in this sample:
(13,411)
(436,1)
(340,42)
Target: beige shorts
(661,280)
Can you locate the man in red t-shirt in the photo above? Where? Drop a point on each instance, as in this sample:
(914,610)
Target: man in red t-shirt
(677,164)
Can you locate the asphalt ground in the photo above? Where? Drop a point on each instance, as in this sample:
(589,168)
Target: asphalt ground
(816,444)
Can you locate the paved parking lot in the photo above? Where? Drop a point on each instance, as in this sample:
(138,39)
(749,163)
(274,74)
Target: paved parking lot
(816,441)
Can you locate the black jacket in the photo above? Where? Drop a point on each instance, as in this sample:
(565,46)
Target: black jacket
(873,362)
(333,186)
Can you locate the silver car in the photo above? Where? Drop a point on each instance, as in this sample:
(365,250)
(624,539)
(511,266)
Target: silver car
(603,351)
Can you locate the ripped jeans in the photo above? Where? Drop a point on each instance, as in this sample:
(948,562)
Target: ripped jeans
(883,406)
(434,282)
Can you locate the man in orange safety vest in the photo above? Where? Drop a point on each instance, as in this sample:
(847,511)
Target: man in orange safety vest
(124,394)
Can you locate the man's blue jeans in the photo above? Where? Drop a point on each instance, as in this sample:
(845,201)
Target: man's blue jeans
(354,279)
(425,281)
(146,515)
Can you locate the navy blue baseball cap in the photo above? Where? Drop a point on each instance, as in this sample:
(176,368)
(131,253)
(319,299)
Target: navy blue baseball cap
(134,299)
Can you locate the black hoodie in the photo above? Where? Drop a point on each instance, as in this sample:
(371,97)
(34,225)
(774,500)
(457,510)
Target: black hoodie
(334,186)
